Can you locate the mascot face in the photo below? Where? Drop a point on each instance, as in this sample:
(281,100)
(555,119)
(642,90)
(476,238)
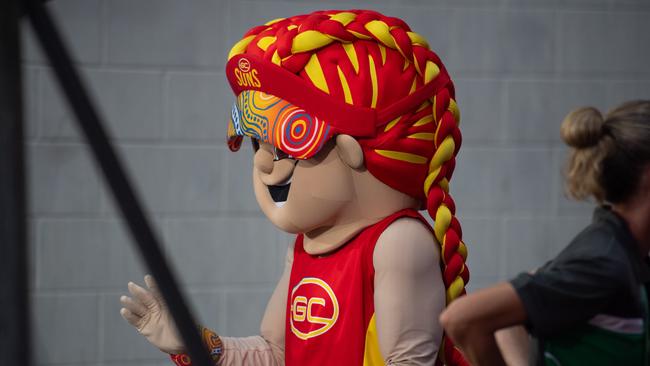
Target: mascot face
(300,196)
(300,182)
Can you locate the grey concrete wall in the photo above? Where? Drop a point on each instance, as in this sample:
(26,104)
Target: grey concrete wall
(155,68)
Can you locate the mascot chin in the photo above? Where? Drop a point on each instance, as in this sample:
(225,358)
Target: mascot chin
(354,129)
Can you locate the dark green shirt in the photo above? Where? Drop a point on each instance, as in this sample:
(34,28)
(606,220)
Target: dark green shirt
(585,306)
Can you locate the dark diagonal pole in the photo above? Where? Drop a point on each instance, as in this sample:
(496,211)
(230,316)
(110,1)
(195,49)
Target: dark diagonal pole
(90,123)
(14,305)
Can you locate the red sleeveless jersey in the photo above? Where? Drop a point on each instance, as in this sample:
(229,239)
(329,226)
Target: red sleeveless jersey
(330,307)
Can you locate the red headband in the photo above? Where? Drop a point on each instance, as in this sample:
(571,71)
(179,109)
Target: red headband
(249,72)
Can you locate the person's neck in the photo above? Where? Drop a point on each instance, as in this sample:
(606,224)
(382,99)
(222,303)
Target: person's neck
(636,213)
(363,211)
(327,239)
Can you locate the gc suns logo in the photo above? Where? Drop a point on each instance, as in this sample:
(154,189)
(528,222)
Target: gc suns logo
(314,308)
(244,65)
(246,75)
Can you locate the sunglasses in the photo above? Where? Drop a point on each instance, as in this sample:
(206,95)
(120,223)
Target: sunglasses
(293,132)
(277,153)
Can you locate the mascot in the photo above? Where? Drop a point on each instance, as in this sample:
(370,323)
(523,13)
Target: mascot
(354,128)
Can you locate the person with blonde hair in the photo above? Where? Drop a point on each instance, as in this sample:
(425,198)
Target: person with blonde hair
(589,305)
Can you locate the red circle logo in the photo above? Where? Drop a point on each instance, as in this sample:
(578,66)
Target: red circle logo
(244,65)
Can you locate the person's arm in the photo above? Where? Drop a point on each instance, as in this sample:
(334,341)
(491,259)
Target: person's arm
(472,320)
(267,349)
(577,285)
(514,344)
(409,293)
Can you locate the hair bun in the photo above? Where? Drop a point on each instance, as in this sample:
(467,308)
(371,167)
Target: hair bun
(582,128)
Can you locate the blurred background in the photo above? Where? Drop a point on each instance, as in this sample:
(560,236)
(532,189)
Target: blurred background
(155,68)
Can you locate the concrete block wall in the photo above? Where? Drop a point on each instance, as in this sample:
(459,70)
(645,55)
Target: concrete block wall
(155,68)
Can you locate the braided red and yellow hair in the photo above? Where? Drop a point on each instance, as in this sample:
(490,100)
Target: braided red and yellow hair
(379,72)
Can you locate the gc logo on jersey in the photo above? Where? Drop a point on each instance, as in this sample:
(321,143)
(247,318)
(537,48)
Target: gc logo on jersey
(314,308)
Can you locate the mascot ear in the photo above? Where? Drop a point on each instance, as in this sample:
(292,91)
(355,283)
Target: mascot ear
(349,151)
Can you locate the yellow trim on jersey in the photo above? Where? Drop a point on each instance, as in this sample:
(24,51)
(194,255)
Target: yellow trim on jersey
(371,355)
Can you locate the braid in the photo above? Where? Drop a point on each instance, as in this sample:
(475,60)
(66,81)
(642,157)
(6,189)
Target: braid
(441,208)
(282,40)
(370,60)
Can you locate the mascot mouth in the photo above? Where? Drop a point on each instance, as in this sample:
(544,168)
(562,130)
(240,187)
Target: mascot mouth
(280,192)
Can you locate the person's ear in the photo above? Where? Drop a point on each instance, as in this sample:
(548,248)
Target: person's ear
(349,151)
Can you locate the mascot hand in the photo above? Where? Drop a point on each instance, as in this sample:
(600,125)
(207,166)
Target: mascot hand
(147,312)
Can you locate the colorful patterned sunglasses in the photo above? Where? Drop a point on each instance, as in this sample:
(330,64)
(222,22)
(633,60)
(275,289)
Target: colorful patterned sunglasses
(267,118)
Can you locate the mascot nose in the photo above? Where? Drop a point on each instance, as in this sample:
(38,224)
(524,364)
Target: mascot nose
(274,169)
(263,161)
(281,172)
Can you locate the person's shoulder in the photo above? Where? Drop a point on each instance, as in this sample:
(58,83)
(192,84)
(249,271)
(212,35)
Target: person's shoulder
(408,231)
(596,240)
(596,249)
(408,223)
(406,242)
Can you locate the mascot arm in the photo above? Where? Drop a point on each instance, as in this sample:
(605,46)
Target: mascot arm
(266,349)
(409,294)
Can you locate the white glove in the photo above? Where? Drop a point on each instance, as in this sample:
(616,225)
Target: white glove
(148,313)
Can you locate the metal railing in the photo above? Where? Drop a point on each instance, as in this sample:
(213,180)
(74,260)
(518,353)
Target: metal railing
(14,300)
